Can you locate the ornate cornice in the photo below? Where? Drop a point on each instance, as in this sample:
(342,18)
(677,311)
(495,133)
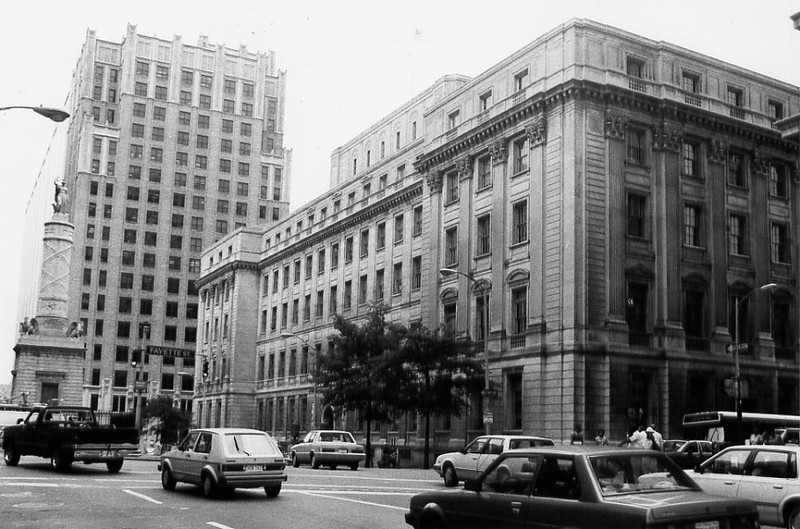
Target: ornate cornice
(718,151)
(464,167)
(615,125)
(667,138)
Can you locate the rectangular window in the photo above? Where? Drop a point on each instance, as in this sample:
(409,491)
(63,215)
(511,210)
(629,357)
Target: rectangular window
(519,312)
(691,159)
(334,255)
(778,184)
(636,215)
(635,146)
(451,181)
(520,80)
(691,225)
(398,228)
(735,168)
(484,172)
(483,243)
(737,240)
(451,247)
(364,243)
(520,153)
(416,273)
(417,221)
(347,299)
(381,236)
(397,279)
(379,280)
(453,119)
(519,222)
(779,243)
(348,249)
(485,101)
(362,290)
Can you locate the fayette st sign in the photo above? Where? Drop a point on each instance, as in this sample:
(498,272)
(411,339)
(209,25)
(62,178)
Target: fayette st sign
(170,351)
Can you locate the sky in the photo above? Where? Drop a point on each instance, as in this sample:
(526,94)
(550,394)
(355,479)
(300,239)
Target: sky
(349,63)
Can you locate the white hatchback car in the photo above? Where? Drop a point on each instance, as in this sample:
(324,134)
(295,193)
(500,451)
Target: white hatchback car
(766,474)
(470,461)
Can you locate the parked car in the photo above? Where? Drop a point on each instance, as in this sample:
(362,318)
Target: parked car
(688,454)
(766,474)
(65,434)
(328,447)
(471,460)
(219,459)
(580,487)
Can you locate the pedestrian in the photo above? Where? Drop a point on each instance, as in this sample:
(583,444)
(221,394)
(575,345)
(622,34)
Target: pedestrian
(577,436)
(601,438)
(657,437)
(651,442)
(638,439)
(755,437)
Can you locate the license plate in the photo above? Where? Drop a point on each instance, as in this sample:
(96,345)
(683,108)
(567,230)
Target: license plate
(253,468)
(714,524)
(107,453)
(342,450)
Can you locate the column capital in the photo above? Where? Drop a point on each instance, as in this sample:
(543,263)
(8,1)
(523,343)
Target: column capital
(615,125)
(667,138)
(434,180)
(718,150)
(537,132)
(760,162)
(499,151)
(464,167)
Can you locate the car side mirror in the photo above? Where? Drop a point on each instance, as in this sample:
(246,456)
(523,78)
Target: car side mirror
(20,420)
(698,469)
(473,485)
(463,450)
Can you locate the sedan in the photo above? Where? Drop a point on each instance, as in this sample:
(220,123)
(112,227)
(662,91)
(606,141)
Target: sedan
(224,459)
(688,454)
(471,460)
(766,474)
(328,447)
(580,487)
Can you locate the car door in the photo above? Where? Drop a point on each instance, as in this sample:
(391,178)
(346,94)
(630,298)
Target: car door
(766,481)
(466,462)
(196,459)
(555,496)
(502,498)
(493,449)
(180,459)
(302,450)
(722,473)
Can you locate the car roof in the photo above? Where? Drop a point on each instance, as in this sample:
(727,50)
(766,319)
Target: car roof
(792,447)
(587,449)
(513,437)
(225,431)
(332,431)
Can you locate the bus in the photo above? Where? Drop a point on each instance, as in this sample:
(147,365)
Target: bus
(723,427)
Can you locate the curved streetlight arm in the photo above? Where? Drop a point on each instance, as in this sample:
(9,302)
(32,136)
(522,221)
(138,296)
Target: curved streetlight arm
(53,114)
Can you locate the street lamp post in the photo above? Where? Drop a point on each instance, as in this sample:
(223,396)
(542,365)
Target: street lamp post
(144,334)
(736,374)
(311,377)
(485,296)
(52,114)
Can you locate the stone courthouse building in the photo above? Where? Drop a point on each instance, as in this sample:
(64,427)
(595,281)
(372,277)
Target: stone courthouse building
(615,197)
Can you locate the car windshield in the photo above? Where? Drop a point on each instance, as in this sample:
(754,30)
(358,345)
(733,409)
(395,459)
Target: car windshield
(250,444)
(673,445)
(336,437)
(648,472)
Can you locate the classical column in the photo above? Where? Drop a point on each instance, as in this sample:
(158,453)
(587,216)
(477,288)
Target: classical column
(433,233)
(51,314)
(499,153)
(761,244)
(537,137)
(717,243)
(667,230)
(616,198)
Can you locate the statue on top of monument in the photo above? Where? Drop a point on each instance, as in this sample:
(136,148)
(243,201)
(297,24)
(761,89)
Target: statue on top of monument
(61,197)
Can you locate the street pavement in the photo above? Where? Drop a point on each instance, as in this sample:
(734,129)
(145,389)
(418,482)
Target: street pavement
(33,496)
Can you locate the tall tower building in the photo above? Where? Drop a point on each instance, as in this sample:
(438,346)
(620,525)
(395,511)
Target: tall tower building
(171,146)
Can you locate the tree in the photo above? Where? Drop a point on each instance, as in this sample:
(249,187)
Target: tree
(438,372)
(360,372)
(172,420)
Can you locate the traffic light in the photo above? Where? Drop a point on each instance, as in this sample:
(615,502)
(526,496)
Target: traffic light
(135,358)
(205,368)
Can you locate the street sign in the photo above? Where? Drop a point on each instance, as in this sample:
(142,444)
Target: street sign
(140,386)
(730,387)
(489,393)
(743,347)
(488,418)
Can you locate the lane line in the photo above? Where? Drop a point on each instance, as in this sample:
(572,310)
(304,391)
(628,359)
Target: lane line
(142,496)
(355,501)
(218,525)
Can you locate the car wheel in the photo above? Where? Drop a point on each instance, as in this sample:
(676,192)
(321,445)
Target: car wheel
(60,462)
(333,467)
(272,490)
(114,466)
(431,522)
(314,462)
(793,522)
(11,456)
(167,479)
(209,487)
(450,477)
(354,466)
(295,461)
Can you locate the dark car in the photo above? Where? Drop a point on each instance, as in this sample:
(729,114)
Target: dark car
(688,454)
(580,487)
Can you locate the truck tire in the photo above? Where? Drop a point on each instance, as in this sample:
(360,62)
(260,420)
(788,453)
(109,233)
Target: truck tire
(10,455)
(114,466)
(60,461)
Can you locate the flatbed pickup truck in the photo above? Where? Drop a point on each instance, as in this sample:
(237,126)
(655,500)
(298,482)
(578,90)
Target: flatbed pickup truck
(66,434)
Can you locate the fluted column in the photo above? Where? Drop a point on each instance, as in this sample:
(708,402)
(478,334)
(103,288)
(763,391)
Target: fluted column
(433,233)
(537,138)
(616,198)
(499,154)
(717,244)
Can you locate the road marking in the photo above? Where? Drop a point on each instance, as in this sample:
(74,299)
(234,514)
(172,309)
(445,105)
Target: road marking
(355,501)
(218,525)
(142,496)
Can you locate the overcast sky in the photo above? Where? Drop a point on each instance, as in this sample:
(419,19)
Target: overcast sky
(348,63)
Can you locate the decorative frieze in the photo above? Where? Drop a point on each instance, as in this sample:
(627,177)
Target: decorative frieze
(667,138)
(615,125)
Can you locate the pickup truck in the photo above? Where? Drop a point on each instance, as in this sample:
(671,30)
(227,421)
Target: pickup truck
(66,434)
